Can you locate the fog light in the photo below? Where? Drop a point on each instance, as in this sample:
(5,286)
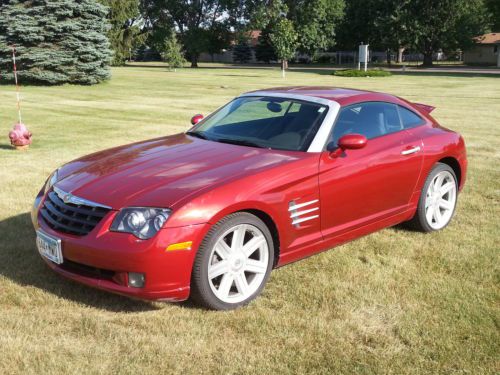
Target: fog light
(136,280)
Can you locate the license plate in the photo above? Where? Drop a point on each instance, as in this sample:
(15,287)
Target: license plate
(49,247)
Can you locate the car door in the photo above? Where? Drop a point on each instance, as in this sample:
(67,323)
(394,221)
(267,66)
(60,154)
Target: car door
(366,185)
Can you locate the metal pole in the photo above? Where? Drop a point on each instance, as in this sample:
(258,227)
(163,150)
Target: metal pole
(367,56)
(17,85)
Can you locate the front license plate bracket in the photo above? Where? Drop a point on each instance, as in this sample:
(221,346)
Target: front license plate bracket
(49,247)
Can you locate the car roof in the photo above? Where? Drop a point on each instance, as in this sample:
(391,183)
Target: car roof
(343,96)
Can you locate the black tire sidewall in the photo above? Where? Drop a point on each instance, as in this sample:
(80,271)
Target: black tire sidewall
(200,288)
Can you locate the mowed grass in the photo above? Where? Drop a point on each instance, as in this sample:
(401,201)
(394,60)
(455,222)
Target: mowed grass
(394,302)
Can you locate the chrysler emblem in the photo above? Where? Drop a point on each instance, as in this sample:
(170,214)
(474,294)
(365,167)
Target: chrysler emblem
(70,198)
(67,197)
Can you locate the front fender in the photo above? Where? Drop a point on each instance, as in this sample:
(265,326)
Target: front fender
(210,209)
(269,192)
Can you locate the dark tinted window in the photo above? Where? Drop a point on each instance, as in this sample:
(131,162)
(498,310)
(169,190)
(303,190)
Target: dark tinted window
(371,119)
(409,119)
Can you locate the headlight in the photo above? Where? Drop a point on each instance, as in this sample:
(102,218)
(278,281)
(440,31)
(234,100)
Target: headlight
(53,178)
(142,222)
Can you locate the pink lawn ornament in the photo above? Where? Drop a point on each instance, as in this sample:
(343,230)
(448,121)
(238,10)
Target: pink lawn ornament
(20,136)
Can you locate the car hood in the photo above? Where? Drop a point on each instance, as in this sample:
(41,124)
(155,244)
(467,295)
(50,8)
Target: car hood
(161,172)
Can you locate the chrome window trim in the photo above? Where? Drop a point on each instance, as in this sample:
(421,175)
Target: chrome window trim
(319,141)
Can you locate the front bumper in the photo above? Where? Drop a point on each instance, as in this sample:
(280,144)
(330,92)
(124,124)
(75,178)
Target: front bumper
(102,259)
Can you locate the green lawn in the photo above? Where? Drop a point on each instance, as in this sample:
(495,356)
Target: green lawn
(394,302)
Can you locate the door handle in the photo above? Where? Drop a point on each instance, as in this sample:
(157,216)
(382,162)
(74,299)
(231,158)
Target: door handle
(410,150)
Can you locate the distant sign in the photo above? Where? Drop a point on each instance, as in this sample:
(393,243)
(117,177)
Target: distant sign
(363,53)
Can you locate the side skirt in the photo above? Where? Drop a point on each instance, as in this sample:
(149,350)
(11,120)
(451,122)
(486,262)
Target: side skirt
(295,255)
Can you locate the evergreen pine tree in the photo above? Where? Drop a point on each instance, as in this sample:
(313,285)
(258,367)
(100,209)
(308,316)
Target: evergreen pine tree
(264,50)
(57,41)
(242,53)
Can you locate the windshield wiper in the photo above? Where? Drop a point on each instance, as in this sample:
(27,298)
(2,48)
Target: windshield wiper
(241,142)
(198,135)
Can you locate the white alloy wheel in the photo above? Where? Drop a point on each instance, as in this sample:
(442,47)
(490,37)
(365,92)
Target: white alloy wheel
(440,200)
(238,263)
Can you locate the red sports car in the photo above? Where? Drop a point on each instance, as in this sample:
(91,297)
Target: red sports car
(270,178)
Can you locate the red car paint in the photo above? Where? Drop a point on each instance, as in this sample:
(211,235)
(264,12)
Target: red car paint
(203,181)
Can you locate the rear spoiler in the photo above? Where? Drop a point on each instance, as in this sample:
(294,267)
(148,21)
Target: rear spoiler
(424,107)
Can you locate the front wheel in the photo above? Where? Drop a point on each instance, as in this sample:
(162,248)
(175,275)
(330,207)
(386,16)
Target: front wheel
(437,200)
(233,262)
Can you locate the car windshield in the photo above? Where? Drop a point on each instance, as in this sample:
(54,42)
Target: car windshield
(267,122)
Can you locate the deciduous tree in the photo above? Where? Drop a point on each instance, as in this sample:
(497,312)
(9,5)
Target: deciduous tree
(315,21)
(444,24)
(172,52)
(193,19)
(493,7)
(284,39)
(380,23)
(125,32)
(426,26)
(218,38)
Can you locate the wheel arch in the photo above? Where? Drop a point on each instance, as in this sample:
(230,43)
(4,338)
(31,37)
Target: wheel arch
(271,225)
(263,212)
(455,165)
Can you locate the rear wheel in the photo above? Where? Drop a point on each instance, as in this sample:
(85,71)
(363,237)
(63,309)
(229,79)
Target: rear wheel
(233,262)
(437,201)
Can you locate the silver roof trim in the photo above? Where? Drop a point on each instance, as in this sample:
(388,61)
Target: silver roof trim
(319,141)
(290,95)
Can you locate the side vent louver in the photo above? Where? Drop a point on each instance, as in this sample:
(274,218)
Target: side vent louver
(300,212)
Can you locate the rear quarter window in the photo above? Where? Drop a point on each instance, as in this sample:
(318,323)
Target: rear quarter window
(409,118)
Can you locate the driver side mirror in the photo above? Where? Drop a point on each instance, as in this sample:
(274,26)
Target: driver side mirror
(347,142)
(196,119)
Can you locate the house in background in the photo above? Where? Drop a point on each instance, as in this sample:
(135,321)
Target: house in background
(486,50)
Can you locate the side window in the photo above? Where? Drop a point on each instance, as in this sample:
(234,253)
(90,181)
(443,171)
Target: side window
(371,119)
(410,119)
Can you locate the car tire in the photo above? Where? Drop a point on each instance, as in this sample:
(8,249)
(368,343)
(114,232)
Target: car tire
(233,262)
(437,201)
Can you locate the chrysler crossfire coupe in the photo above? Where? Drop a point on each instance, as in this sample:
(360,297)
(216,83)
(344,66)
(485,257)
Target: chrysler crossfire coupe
(270,178)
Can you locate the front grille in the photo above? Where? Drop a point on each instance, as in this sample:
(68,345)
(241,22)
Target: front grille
(76,219)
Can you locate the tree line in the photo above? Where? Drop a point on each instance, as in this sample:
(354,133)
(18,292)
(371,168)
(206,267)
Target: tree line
(310,26)
(75,41)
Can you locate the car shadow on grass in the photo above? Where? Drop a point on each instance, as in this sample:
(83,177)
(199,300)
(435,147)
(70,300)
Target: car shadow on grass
(21,263)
